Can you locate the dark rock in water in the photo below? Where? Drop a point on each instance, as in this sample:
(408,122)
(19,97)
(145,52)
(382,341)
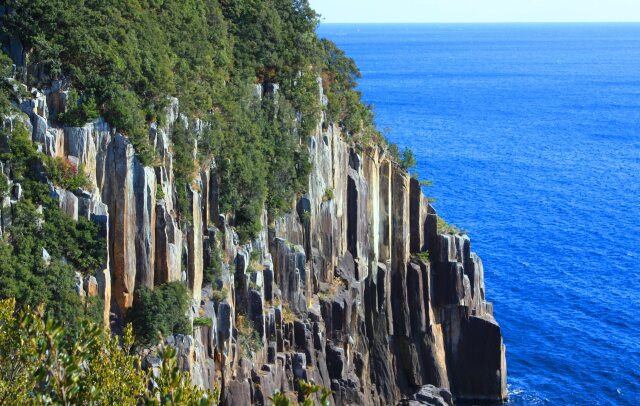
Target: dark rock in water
(428,395)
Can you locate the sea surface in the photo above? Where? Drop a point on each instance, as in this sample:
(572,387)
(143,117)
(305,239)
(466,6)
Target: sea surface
(531,134)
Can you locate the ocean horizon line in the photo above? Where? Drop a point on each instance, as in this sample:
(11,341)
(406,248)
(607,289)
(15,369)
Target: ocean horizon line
(487,23)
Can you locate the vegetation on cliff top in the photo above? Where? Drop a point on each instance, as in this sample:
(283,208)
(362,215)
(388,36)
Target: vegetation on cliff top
(123,58)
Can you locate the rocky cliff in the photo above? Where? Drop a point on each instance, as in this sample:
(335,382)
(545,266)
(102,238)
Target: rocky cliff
(355,289)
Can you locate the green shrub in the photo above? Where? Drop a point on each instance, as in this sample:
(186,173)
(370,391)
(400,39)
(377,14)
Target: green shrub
(328,195)
(255,255)
(213,272)
(65,174)
(162,310)
(219,295)
(94,309)
(159,192)
(4,186)
(307,390)
(288,315)
(79,110)
(202,322)
(394,152)
(302,93)
(42,362)
(423,256)
(6,69)
(447,228)
(26,277)
(408,160)
(339,81)
(21,154)
(305,217)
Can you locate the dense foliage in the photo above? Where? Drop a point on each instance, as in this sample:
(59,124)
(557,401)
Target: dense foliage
(42,363)
(123,58)
(161,311)
(39,226)
(250,70)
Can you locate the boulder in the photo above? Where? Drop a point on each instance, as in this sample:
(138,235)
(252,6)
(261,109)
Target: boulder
(428,395)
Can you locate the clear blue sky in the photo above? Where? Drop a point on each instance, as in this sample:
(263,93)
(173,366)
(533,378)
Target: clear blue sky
(381,11)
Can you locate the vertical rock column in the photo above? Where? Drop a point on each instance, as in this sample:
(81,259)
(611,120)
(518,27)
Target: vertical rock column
(384,213)
(371,170)
(145,195)
(399,250)
(119,196)
(419,207)
(168,262)
(357,225)
(130,192)
(195,265)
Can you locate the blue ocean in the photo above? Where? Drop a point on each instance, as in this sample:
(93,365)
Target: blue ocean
(531,134)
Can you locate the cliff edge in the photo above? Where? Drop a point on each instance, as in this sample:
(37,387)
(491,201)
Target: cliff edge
(261,196)
(356,289)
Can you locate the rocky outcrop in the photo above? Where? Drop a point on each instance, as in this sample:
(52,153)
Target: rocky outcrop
(355,289)
(428,395)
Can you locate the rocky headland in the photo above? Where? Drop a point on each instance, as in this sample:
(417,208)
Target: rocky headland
(356,289)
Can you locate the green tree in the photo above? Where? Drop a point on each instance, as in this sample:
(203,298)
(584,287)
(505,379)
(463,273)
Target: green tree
(43,363)
(160,311)
(123,58)
(79,110)
(408,160)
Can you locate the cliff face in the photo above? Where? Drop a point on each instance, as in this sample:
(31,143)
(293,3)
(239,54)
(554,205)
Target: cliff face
(335,290)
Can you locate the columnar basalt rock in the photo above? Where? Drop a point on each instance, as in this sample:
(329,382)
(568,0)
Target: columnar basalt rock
(347,298)
(119,195)
(145,200)
(195,254)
